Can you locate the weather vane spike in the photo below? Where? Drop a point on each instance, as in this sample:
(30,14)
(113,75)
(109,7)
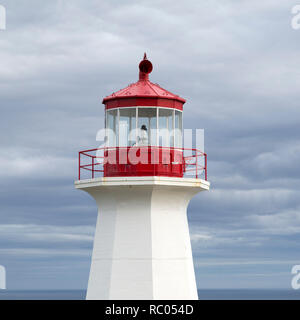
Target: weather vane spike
(145,56)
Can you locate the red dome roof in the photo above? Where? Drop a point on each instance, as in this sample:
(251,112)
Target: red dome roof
(145,89)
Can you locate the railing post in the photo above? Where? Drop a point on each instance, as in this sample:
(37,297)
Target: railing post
(79,154)
(93,167)
(205,157)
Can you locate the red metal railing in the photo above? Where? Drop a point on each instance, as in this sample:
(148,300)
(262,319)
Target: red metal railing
(93,162)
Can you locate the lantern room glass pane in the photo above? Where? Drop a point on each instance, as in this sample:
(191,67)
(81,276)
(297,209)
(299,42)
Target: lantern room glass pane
(112,132)
(178,129)
(127,126)
(147,122)
(165,127)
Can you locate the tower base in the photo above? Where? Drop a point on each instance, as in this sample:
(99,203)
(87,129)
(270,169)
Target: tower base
(142,246)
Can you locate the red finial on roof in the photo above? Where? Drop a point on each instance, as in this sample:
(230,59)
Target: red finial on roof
(144,92)
(145,67)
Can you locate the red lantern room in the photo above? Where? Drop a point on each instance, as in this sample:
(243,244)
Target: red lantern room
(143,133)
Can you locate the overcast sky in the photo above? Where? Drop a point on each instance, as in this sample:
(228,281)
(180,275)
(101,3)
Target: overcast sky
(236,63)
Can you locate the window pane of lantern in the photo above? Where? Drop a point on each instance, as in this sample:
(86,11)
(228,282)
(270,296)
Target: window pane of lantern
(112,127)
(165,127)
(153,127)
(178,129)
(127,127)
(147,126)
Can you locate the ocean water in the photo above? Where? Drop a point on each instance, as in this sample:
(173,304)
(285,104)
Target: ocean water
(42,294)
(249,294)
(204,294)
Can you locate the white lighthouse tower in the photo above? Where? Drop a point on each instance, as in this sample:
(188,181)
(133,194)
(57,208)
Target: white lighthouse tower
(139,180)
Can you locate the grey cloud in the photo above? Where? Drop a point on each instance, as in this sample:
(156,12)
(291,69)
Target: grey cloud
(234,62)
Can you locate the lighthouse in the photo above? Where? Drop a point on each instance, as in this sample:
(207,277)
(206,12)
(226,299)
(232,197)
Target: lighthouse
(142,180)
